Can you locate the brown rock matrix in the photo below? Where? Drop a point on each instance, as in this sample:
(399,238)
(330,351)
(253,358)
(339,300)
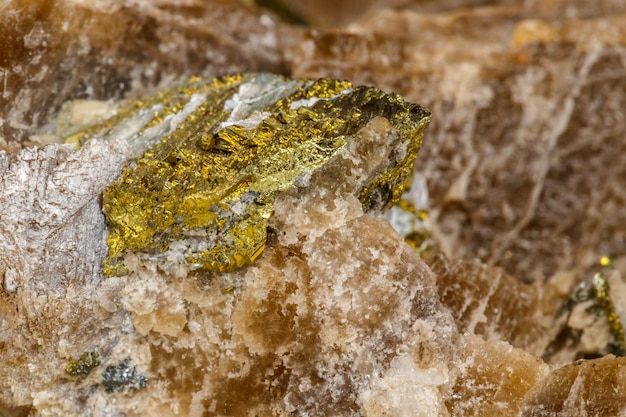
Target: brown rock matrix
(52,52)
(533,111)
(524,169)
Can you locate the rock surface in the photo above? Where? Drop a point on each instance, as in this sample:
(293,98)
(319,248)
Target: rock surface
(533,111)
(114,49)
(338,316)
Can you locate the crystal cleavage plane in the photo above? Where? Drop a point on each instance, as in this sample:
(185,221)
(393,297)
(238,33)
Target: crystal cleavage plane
(212,154)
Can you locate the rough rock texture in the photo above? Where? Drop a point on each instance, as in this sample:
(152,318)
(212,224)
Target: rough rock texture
(108,50)
(488,302)
(525,174)
(52,301)
(580,388)
(524,125)
(265,340)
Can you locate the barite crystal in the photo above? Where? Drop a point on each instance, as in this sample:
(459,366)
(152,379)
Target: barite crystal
(218,151)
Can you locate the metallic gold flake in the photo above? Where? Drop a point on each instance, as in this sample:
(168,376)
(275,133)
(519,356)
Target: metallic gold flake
(419,237)
(597,288)
(602,294)
(83,365)
(228,290)
(217,152)
(411,221)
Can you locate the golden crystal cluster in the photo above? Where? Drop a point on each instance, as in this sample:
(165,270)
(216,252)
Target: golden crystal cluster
(223,148)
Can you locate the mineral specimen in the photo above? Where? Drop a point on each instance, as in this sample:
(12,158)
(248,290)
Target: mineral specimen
(224,160)
(83,365)
(219,151)
(523,170)
(588,322)
(122,376)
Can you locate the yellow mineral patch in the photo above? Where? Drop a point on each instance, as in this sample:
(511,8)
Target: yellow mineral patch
(602,293)
(83,365)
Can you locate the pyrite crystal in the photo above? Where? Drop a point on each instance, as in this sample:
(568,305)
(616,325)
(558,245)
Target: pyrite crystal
(217,151)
